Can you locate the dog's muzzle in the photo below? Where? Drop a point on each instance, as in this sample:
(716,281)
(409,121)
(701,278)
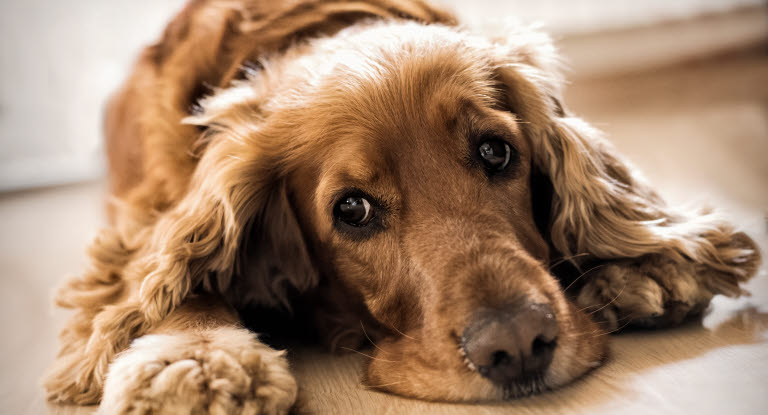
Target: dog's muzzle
(511,344)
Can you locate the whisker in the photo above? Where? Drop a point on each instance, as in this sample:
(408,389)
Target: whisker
(368,356)
(566,258)
(618,319)
(367,337)
(614,330)
(403,334)
(628,319)
(600,332)
(386,384)
(583,274)
(584,333)
(612,300)
(338,335)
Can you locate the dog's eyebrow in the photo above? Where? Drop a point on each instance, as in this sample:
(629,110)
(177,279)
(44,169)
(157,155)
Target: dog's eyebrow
(338,184)
(478,134)
(478,125)
(457,114)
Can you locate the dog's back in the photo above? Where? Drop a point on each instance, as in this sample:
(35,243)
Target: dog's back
(207,45)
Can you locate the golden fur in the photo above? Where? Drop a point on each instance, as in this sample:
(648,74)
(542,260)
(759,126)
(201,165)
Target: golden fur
(226,206)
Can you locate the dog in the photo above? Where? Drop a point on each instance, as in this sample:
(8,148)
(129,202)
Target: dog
(397,177)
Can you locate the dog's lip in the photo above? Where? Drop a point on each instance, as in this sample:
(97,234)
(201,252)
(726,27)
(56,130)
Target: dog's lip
(460,340)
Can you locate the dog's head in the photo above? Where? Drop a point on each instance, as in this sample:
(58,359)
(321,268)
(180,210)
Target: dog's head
(428,172)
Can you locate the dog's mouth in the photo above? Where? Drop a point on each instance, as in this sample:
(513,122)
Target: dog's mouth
(523,387)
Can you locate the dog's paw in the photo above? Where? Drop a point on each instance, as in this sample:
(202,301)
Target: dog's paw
(658,291)
(647,292)
(219,371)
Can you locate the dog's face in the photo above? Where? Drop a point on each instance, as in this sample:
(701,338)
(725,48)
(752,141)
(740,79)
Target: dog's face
(412,188)
(424,208)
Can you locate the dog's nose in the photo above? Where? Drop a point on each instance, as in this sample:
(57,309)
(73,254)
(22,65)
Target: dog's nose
(513,343)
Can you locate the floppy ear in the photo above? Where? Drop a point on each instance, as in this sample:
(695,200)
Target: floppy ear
(235,226)
(603,206)
(603,209)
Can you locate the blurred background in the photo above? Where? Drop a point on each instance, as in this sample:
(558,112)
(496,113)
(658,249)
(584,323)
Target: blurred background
(61,59)
(680,87)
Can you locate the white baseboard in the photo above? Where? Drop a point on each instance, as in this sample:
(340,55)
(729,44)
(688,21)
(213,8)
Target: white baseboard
(643,48)
(49,171)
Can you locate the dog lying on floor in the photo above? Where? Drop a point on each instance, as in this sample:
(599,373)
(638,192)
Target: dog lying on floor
(406,181)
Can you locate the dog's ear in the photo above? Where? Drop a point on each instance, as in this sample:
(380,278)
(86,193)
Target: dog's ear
(601,206)
(234,226)
(273,262)
(542,193)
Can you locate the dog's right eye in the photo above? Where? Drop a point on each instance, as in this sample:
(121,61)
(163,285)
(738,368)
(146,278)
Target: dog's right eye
(354,210)
(495,154)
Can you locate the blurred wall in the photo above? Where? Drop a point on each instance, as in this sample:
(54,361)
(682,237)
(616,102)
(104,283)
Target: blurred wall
(59,60)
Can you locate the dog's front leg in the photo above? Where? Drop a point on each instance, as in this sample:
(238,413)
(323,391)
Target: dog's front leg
(658,290)
(199,361)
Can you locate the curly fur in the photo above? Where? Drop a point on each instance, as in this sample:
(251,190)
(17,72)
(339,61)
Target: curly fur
(205,224)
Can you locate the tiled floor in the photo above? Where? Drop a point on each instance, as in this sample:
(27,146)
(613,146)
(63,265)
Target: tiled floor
(700,132)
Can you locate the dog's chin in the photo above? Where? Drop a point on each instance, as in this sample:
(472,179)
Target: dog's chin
(524,387)
(441,371)
(415,379)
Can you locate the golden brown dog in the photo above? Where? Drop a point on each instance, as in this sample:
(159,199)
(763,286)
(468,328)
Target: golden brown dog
(394,176)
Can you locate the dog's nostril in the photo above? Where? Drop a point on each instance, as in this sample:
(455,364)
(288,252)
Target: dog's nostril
(500,357)
(512,343)
(541,346)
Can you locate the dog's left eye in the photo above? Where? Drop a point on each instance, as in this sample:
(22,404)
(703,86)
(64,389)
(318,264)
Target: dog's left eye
(495,154)
(354,210)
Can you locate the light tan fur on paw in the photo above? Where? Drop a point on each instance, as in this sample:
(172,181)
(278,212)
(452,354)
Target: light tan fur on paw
(630,293)
(212,371)
(656,291)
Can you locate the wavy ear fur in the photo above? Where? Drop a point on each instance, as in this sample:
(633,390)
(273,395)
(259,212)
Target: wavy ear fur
(234,232)
(603,209)
(235,202)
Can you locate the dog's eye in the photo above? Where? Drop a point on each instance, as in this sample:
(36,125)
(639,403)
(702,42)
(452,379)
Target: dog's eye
(495,154)
(354,210)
